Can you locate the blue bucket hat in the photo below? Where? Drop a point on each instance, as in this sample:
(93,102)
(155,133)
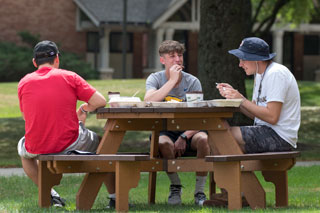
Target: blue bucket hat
(253,49)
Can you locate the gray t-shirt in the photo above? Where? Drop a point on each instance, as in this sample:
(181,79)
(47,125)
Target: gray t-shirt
(189,83)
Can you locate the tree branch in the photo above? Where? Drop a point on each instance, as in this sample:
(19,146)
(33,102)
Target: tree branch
(269,21)
(254,19)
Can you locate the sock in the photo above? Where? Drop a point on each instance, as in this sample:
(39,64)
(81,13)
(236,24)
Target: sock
(200,182)
(112,195)
(174,179)
(54,193)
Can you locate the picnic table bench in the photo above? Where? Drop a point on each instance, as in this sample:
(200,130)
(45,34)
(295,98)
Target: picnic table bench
(229,171)
(234,165)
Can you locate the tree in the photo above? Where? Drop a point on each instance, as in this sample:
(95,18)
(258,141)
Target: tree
(223,24)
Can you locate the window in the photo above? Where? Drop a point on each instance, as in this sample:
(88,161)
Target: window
(92,42)
(116,42)
(311,45)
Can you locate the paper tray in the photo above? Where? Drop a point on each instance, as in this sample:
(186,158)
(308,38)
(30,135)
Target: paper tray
(224,102)
(168,104)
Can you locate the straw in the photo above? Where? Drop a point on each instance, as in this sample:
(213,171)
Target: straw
(135,93)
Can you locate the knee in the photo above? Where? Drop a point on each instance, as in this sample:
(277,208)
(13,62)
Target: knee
(165,146)
(202,142)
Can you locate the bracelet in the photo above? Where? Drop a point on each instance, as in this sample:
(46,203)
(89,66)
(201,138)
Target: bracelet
(82,110)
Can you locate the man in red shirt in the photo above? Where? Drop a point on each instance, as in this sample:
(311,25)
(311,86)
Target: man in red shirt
(48,99)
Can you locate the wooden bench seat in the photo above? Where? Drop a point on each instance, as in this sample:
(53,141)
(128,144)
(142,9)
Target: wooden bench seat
(273,165)
(127,168)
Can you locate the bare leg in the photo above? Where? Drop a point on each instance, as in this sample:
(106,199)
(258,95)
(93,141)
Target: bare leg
(166,148)
(30,167)
(200,143)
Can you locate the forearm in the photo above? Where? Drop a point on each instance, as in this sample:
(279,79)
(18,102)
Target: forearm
(160,94)
(96,101)
(245,111)
(269,114)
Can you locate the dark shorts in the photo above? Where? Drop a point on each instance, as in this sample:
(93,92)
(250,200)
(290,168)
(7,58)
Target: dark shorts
(263,139)
(174,135)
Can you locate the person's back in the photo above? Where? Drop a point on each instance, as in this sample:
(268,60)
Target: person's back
(48,99)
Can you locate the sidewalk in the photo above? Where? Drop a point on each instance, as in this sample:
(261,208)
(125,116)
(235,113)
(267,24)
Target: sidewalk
(20,172)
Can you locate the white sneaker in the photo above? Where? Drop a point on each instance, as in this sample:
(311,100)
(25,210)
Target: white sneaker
(199,198)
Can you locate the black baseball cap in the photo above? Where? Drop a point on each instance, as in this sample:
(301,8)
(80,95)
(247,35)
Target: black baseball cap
(45,49)
(253,49)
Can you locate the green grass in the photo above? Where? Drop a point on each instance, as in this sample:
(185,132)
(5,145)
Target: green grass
(303,195)
(12,126)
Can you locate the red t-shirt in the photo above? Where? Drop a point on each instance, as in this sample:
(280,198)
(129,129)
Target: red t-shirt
(48,99)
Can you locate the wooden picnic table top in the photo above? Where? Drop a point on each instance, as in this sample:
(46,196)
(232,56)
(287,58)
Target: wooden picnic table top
(163,109)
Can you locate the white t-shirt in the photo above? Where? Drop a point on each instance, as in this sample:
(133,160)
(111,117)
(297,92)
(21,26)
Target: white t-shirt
(278,84)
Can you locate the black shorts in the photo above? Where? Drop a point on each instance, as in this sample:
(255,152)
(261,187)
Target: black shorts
(174,135)
(263,139)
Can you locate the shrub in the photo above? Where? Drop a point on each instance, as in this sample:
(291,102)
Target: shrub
(16,61)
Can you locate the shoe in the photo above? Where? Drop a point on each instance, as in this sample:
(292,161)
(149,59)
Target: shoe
(175,195)
(112,203)
(57,201)
(199,198)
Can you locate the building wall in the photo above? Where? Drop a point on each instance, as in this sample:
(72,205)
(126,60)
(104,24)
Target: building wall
(53,20)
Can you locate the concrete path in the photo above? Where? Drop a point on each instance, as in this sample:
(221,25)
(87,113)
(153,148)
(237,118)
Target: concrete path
(20,172)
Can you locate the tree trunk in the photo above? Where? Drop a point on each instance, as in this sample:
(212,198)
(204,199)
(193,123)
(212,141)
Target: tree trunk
(222,27)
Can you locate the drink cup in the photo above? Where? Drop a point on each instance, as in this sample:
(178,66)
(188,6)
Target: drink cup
(194,96)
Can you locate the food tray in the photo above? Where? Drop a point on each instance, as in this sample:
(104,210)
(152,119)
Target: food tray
(224,102)
(197,104)
(168,104)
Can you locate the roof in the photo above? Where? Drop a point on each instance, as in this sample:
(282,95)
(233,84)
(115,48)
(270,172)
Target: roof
(111,11)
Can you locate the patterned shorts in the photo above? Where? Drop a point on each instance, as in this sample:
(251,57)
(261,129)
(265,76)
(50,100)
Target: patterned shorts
(263,139)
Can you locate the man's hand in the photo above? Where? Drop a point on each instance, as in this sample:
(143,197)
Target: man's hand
(229,92)
(180,147)
(175,72)
(82,116)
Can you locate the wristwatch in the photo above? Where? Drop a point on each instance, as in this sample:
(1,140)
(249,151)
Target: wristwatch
(183,136)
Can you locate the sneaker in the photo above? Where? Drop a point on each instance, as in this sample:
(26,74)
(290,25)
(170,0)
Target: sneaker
(199,198)
(57,201)
(175,195)
(112,203)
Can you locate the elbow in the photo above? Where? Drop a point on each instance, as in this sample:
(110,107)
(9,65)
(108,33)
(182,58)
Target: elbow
(274,120)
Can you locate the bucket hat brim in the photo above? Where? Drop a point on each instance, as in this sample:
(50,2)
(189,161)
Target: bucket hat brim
(251,57)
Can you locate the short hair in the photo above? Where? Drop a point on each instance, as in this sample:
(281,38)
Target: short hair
(171,46)
(40,61)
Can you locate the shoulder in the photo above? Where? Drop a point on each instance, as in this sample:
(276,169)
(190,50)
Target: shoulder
(157,75)
(279,70)
(190,78)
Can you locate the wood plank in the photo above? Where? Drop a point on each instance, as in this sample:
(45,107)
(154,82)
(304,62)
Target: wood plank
(255,156)
(101,157)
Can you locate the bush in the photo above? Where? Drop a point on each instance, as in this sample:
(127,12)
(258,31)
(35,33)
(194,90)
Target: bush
(16,61)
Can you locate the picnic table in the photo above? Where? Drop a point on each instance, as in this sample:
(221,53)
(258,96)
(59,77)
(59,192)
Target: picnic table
(235,175)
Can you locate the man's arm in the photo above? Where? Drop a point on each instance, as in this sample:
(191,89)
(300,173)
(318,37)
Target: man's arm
(96,101)
(270,114)
(160,94)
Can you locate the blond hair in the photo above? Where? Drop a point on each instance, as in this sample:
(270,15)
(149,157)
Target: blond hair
(171,46)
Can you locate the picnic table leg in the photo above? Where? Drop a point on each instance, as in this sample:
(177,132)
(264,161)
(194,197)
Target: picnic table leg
(127,177)
(212,186)
(46,180)
(228,176)
(89,189)
(252,190)
(154,152)
(280,181)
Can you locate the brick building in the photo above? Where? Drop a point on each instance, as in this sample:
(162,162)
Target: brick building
(92,28)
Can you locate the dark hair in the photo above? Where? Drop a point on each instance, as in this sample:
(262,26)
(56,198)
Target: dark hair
(49,60)
(170,46)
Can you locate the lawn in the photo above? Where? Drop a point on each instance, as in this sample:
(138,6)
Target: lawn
(12,126)
(303,195)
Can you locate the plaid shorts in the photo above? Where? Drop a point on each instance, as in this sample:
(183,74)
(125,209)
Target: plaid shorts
(86,141)
(263,139)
